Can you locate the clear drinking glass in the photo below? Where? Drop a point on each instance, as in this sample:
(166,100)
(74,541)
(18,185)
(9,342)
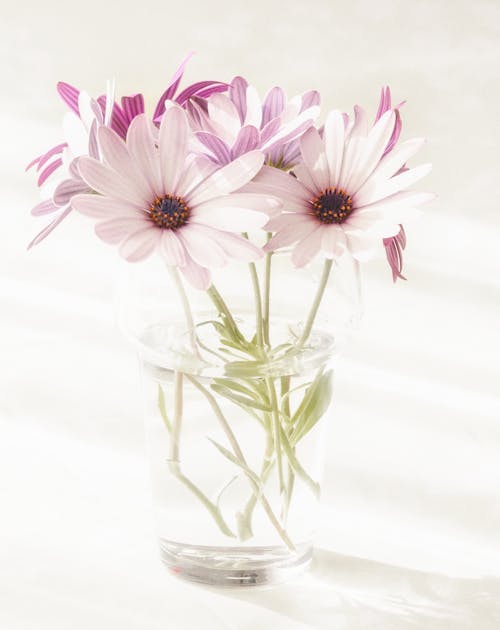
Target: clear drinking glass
(236,425)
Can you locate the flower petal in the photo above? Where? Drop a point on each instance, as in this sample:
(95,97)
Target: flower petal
(247,140)
(49,228)
(216,146)
(334,137)
(272,180)
(69,94)
(199,277)
(273,105)
(292,232)
(172,249)
(100,207)
(113,231)
(307,248)
(374,190)
(44,207)
(233,245)
(360,125)
(48,170)
(114,150)
(172,87)
(254,108)
(107,182)
(313,154)
(398,203)
(238,95)
(173,146)
(229,219)
(224,116)
(304,176)
(353,151)
(116,154)
(140,244)
(68,189)
(202,89)
(373,150)
(288,133)
(133,105)
(361,221)
(333,241)
(269,130)
(397,158)
(275,224)
(309,99)
(228,178)
(250,201)
(362,246)
(203,251)
(43,159)
(144,152)
(196,170)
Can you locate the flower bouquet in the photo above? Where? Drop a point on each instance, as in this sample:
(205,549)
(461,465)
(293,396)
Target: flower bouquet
(251,222)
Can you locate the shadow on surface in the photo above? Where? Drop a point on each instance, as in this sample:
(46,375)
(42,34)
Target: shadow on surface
(344,592)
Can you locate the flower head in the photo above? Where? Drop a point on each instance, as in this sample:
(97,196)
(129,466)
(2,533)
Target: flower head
(154,195)
(58,177)
(347,194)
(231,124)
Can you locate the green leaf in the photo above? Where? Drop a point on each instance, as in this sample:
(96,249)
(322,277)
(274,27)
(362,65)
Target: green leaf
(161,407)
(314,404)
(233,344)
(285,399)
(224,488)
(244,526)
(247,387)
(297,467)
(239,399)
(242,369)
(237,462)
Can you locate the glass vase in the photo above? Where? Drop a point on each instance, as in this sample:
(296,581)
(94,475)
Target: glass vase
(237,391)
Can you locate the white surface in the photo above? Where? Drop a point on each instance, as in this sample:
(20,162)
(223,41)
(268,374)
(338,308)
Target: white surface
(411,533)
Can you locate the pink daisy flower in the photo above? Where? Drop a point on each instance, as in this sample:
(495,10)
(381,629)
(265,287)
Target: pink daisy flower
(231,124)
(346,195)
(80,126)
(153,195)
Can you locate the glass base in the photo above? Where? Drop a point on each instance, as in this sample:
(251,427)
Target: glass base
(234,566)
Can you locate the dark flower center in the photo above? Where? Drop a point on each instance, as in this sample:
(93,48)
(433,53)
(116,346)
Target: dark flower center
(334,205)
(169,212)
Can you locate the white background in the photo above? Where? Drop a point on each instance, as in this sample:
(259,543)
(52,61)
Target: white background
(411,531)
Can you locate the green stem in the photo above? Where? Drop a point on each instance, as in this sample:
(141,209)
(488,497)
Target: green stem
(285,396)
(185,306)
(258,303)
(267,295)
(174,459)
(211,507)
(224,312)
(245,517)
(239,455)
(315,306)
(289,491)
(258,300)
(177,421)
(276,424)
(285,404)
